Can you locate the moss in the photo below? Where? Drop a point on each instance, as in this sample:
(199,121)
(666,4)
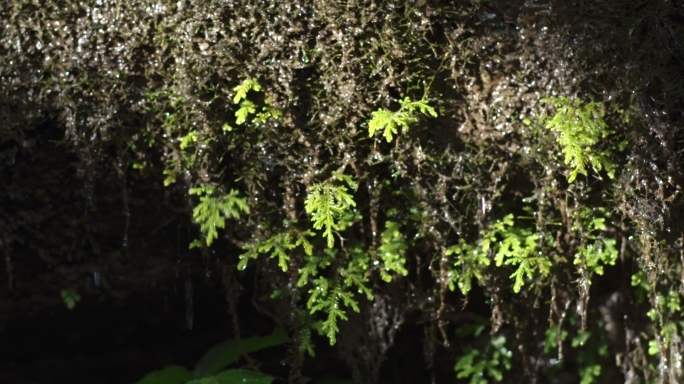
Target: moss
(173,102)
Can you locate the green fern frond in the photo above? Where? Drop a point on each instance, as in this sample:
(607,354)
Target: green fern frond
(391,251)
(519,247)
(470,263)
(596,251)
(581,126)
(514,246)
(212,210)
(326,203)
(357,273)
(251,251)
(387,121)
(244,87)
(189,139)
(280,244)
(246,108)
(329,300)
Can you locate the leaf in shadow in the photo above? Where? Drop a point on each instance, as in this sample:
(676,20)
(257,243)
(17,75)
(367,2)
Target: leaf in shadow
(173,374)
(221,355)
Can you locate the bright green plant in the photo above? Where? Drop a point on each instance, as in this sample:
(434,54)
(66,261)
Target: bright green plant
(515,246)
(388,121)
(581,127)
(391,251)
(328,201)
(244,87)
(247,107)
(331,295)
(213,209)
(595,251)
(170,107)
(470,261)
(519,248)
(279,246)
(667,304)
(210,368)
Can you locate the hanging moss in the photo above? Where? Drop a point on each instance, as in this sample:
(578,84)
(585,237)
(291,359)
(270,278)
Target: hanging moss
(538,168)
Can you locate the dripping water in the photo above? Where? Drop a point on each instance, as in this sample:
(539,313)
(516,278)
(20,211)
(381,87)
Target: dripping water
(96,277)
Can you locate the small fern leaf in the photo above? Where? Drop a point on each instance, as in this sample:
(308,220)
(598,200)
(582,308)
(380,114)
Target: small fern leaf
(246,108)
(244,87)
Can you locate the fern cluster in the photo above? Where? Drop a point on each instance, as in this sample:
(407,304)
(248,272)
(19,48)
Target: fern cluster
(331,294)
(596,250)
(581,127)
(278,246)
(327,202)
(387,121)
(515,246)
(332,278)
(247,107)
(391,251)
(213,209)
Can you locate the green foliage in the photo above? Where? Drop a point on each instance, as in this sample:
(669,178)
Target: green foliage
(173,374)
(279,245)
(387,121)
(581,127)
(163,95)
(249,108)
(329,295)
(470,261)
(213,209)
(480,365)
(355,275)
(600,251)
(70,298)
(515,246)
(246,108)
(590,370)
(233,376)
(666,305)
(391,251)
(329,300)
(639,280)
(590,350)
(327,202)
(519,247)
(244,87)
(589,373)
(209,368)
(552,338)
(226,353)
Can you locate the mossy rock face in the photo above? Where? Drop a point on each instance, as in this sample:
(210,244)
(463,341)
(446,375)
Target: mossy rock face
(370,164)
